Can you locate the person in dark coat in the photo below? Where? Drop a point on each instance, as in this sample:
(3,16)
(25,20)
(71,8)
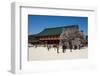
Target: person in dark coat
(64,48)
(70,46)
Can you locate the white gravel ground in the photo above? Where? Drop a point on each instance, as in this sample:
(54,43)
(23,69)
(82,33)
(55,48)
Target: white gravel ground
(41,53)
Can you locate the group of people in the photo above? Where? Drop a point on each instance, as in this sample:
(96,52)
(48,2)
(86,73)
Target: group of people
(56,47)
(64,47)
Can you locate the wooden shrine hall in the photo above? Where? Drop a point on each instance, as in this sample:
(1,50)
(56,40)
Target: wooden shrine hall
(49,35)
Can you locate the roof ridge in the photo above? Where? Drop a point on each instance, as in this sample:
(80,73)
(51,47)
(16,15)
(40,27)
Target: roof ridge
(61,26)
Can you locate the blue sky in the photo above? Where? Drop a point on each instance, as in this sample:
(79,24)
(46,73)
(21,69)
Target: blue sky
(36,23)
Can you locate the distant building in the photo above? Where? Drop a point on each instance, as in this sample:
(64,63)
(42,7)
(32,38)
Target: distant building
(49,35)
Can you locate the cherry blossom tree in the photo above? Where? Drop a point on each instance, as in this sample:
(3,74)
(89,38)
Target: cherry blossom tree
(70,38)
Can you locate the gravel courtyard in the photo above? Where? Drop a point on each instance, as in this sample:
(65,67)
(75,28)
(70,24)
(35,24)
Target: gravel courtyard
(42,53)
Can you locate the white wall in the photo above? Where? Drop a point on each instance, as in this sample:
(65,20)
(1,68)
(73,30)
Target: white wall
(5,33)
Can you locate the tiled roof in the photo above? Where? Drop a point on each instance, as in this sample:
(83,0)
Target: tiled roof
(54,31)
